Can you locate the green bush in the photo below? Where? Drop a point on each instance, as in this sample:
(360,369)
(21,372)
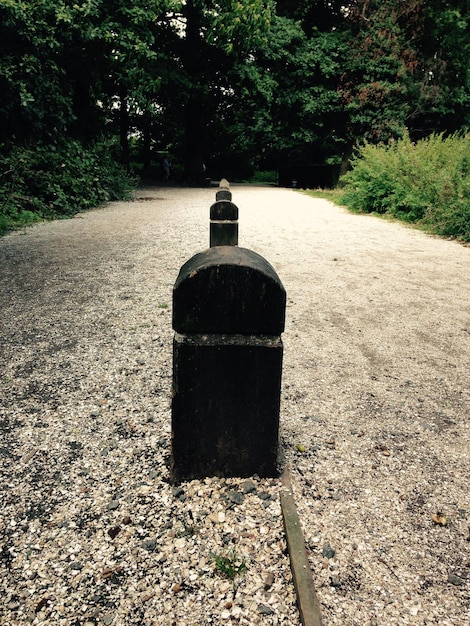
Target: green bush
(427,182)
(50,181)
(264,177)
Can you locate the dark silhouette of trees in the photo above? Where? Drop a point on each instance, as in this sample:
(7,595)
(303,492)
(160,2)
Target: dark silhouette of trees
(231,85)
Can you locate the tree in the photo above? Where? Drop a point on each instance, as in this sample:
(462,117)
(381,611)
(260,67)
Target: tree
(408,68)
(286,99)
(120,39)
(244,80)
(35,92)
(315,15)
(443,54)
(215,36)
(378,85)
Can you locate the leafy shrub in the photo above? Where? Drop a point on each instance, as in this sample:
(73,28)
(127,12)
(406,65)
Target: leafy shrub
(264,177)
(427,182)
(49,181)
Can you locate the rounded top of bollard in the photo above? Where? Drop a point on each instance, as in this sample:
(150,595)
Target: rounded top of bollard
(224,210)
(223,194)
(228,290)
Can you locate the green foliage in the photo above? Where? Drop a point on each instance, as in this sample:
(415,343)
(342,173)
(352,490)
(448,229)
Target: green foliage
(247,84)
(285,102)
(229,565)
(332,195)
(35,95)
(408,66)
(269,176)
(427,182)
(238,26)
(378,87)
(443,45)
(49,181)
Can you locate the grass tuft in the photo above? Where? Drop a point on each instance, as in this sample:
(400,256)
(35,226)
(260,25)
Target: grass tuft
(230,565)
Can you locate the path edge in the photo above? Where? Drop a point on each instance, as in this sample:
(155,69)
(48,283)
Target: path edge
(309,606)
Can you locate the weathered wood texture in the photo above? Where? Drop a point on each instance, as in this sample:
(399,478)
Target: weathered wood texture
(224,224)
(224,210)
(225,406)
(228,290)
(223,234)
(309,606)
(228,314)
(223,194)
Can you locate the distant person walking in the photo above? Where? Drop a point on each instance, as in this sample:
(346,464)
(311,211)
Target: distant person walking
(166,164)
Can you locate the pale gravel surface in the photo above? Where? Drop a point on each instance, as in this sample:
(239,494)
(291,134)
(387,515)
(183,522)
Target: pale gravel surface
(375,391)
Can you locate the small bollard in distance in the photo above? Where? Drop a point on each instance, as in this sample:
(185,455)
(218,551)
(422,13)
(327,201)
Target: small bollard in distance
(223,193)
(223,224)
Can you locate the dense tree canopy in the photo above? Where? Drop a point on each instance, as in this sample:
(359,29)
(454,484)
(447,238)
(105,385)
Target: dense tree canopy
(231,85)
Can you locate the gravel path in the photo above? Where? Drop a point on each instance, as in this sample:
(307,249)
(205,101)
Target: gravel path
(374,420)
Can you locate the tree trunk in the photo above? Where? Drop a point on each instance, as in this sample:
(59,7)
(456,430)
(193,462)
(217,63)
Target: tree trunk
(194,115)
(193,158)
(124,129)
(147,140)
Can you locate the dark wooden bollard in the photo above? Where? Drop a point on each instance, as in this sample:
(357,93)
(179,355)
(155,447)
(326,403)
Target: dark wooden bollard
(223,224)
(223,194)
(228,316)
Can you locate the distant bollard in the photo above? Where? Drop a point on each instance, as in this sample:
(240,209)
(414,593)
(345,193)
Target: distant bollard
(223,192)
(228,316)
(223,224)
(224,218)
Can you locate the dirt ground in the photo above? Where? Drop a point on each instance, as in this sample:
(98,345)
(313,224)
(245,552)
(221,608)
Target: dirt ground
(375,419)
